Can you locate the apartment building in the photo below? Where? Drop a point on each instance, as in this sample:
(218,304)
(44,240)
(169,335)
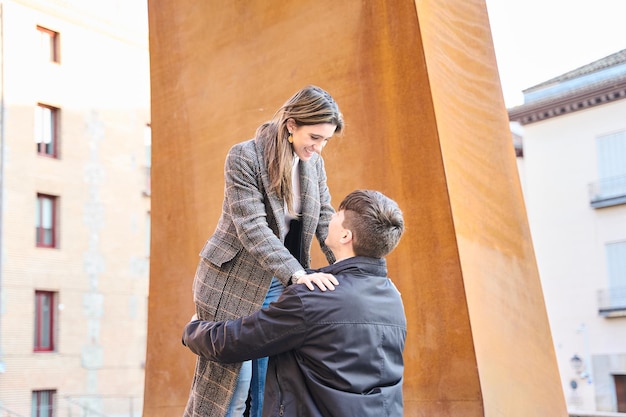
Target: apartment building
(74,207)
(573,173)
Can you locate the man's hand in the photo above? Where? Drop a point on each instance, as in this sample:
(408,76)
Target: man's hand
(322,280)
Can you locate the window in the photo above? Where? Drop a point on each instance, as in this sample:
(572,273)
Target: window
(46,130)
(43,403)
(49,43)
(610,189)
(45,221)
(44,321)
(613,300)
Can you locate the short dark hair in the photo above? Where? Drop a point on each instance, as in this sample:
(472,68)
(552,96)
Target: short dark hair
(375,220)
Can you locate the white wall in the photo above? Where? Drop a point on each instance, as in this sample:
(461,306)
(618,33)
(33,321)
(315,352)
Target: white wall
(569,238)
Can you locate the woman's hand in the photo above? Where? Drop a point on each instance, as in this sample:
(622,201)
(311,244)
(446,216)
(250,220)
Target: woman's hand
(322,280)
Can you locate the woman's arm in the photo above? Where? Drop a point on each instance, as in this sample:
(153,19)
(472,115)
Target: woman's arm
(245,199)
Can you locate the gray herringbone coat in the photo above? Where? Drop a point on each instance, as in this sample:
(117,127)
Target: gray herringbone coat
(239,260)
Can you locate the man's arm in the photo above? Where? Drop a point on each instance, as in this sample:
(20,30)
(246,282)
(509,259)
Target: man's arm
(278,328)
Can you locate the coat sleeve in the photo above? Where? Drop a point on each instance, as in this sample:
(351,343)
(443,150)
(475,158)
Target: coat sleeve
(278,328)
(245,202)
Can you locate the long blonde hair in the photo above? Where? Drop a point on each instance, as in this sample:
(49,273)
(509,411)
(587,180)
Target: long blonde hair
(309,106)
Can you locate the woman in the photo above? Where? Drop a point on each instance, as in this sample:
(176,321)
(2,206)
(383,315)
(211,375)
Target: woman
(275,200)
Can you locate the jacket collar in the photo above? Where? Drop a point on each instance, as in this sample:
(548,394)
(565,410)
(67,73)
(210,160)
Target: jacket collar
(358,264)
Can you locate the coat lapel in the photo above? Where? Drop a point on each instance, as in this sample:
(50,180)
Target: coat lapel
(309,190)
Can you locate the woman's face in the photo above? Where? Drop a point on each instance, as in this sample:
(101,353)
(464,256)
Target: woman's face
(310,139)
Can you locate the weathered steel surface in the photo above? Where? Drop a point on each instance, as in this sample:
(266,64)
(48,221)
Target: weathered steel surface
(426,124)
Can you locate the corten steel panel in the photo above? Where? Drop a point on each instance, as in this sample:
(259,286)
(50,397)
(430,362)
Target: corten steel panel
(426,124)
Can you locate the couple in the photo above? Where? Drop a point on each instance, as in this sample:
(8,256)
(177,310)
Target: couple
(337,352)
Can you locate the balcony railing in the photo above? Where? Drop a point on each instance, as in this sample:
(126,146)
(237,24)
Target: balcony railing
(608,192)
(99,406)
(612,302)
(5,412)
(595,414)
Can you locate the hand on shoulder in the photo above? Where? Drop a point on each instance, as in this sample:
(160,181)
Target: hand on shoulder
(322,280)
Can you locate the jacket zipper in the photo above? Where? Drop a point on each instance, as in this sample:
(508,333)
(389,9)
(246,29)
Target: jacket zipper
(281,409)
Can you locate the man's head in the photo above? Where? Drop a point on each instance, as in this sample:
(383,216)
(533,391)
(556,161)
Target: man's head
(367,224)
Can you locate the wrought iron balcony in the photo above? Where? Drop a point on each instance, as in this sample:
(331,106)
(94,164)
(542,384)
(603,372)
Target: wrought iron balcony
(612,302)
(608,192)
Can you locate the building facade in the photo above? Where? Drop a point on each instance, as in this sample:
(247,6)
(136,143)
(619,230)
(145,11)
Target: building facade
(573,174)
(74,207)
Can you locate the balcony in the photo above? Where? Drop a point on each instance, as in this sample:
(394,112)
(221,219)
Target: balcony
(612,302)
(608,192)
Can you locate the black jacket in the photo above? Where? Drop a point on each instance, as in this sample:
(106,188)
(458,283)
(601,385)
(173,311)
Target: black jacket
(334,353)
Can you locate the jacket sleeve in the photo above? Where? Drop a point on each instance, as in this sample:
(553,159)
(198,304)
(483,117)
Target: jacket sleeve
(245,201)
(278,328)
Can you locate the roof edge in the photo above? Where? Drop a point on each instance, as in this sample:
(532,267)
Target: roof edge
(577,100)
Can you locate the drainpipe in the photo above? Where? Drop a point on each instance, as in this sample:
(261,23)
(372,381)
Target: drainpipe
(2,146)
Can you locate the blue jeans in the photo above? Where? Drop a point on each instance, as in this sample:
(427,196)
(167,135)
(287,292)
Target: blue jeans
(252,374)
(238,402)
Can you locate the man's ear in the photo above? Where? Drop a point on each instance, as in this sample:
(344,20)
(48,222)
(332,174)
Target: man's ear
(346,236)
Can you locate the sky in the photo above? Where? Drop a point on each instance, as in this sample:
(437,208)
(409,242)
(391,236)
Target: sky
(536,40)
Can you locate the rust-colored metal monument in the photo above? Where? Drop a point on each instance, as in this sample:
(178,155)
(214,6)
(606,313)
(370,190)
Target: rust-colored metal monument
(426,124)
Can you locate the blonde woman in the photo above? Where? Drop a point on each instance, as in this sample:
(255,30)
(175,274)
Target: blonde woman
(275,201)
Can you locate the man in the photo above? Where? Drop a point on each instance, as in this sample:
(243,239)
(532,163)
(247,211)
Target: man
(335,353)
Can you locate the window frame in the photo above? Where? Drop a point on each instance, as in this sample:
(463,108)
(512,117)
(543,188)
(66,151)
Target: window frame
(44,323)
(612,300)
(40,229)
(36,403)
(53,48)
(610,188)
(619,381)
(42,124)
